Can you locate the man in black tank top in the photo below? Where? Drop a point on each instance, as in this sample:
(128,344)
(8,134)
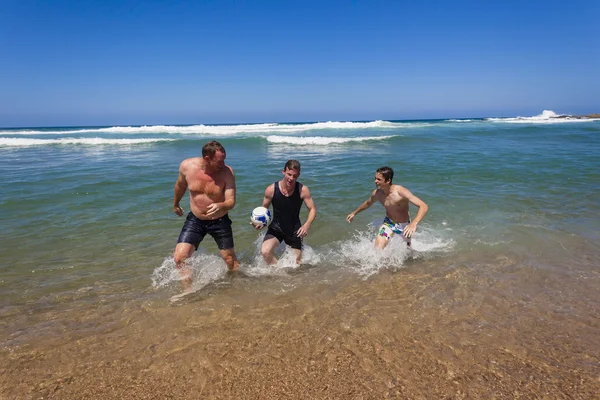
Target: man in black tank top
(287,196)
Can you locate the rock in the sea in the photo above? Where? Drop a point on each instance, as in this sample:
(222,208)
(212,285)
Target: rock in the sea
(588,116)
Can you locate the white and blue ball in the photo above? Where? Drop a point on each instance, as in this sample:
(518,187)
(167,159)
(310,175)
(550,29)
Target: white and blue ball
(261,216)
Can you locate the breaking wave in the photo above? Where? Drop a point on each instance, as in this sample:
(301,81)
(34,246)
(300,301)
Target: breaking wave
(19,142)
(322,141)
(217,130)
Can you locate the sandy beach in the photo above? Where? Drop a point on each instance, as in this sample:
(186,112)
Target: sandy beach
(405,335)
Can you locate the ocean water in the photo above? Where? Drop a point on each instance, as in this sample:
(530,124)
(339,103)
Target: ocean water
(88,228)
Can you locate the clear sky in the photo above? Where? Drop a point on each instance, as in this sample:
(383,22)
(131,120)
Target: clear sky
(104,62)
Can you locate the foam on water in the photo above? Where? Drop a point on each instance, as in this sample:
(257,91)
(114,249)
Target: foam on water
(19,142)
(356,255)
(286,262)
(218,130)
(205,269)
(258,267)
(360,256)
(546,116)
(322,141)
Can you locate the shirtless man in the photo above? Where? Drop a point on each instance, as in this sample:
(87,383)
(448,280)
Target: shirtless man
(212,194)
(287,196)
(395,199)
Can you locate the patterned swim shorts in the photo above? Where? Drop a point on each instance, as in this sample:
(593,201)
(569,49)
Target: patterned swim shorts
(388,228)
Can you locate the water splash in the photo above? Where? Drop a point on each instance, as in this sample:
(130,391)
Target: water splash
(360,256)
(205,269)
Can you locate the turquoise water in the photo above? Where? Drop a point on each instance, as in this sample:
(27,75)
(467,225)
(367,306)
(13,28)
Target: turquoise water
(86,213)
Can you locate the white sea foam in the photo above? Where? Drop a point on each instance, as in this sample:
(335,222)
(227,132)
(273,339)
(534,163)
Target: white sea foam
(546,117)
(217,130)
(360,255)
(321,140)
(19,142)
(205,269)
(357,255)
(209,269)
(286,259)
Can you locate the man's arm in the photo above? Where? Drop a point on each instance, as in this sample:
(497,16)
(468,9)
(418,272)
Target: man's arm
(312,211)
(180,188)
(412,227)
(269,193)
(366,204)
(229,193)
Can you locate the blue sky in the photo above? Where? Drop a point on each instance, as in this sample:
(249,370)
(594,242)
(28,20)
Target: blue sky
(103,62)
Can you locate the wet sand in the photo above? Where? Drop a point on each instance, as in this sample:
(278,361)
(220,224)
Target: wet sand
(505,330)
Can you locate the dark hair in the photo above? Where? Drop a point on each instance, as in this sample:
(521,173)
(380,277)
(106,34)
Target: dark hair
(210,148)
(292,164)
(387,173)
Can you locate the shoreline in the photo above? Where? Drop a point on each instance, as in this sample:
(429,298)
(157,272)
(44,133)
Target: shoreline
(398,335)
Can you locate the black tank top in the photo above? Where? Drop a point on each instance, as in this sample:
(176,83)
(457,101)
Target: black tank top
(286,210)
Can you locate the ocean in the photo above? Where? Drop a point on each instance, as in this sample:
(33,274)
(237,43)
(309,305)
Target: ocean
(498,297)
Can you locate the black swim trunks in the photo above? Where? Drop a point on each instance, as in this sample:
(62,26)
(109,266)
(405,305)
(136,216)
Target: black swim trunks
(194,230)
(290,239)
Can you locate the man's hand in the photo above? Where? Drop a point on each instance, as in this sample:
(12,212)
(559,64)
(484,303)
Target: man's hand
(178,210)
(258,227)
(303,231)
(213,209)
(350,217)
(409,230)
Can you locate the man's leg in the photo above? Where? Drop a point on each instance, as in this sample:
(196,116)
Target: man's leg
(230,259)
(223,235)
(380,242)
(383,236)
(298,255)
(295,243)
(267,249)
(183,251)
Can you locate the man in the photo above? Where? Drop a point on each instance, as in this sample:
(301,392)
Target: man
(212,194)
(287,196)
(395,199)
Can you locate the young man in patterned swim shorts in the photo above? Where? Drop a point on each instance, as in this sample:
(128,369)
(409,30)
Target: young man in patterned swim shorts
(395,199)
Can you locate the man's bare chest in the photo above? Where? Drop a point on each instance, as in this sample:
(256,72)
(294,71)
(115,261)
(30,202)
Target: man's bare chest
(201,183)
(393,200)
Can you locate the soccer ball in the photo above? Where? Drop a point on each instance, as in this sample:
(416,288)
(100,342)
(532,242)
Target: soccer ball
(261,216)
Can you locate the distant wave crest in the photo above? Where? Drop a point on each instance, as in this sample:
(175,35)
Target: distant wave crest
(321,140)
(19,142)
(217,130)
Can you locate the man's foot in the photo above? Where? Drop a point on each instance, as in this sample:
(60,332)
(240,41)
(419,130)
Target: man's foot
(235,267)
